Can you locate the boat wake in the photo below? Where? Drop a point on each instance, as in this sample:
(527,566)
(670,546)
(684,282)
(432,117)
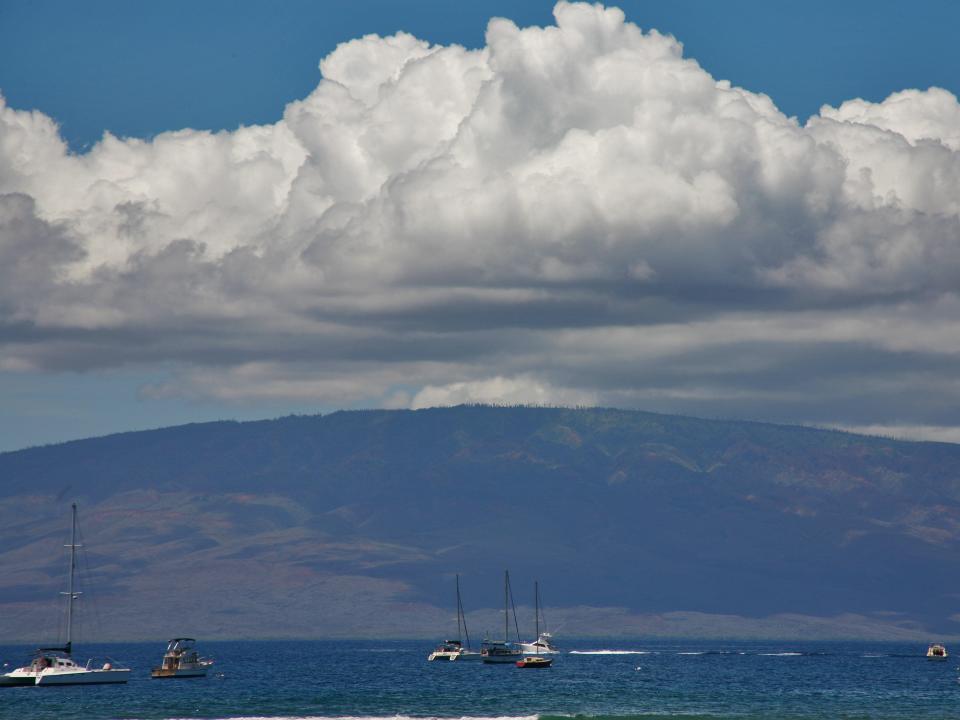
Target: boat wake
(611,652)
(786,654)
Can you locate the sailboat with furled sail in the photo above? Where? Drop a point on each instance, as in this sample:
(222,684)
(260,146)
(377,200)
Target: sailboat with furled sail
(454,649)
(496,652)
(55,665)
(537,660)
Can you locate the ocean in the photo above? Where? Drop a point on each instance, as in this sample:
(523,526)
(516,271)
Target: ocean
(590,680)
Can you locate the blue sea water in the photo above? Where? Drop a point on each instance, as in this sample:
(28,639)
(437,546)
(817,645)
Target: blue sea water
(598,680)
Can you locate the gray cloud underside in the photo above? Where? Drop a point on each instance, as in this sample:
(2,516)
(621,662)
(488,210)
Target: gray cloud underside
(571,214)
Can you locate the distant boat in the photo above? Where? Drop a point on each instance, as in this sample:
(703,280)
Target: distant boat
(454,649)
(55,665)
(537,660)
(495,652)
(543,645)
(937,651)
(464,653)
(181,660)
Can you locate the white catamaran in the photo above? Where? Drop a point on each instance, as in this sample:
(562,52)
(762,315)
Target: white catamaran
(464,653)
(55,665)
(454,649)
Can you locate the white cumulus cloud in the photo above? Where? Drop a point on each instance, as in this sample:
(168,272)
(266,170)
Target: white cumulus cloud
(570,214)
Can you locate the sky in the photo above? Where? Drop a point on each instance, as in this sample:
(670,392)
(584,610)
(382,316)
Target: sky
(247,209)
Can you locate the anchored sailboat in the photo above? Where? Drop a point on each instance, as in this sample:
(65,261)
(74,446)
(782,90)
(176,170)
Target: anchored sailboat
(55,665)
(493,651)
(453,649)
(465,652)
(536,660)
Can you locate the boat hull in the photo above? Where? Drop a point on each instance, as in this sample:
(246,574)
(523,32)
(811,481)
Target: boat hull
(466,656)
(502,659)
(16,679)
(161,673)
(84,677)
(441,656)
(538,649)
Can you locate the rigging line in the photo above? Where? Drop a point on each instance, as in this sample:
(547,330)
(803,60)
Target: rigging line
(459,629)
(514,607)
(543,615)
(91,599)
(463,614)
(60,609)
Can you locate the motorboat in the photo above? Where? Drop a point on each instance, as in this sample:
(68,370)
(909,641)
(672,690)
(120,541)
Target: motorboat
(181,660)
(534,661)
(543,645)
(55,665)
(495,652)
(937,651)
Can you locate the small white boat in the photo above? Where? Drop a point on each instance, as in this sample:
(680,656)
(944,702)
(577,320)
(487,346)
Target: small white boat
(543,645)
(181,660)
(937,651)
(55,666)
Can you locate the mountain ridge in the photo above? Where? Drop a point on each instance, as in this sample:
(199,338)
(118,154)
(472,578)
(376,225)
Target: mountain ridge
(361,517)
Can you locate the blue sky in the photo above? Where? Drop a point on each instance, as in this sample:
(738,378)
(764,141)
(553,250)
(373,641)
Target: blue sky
(137,70)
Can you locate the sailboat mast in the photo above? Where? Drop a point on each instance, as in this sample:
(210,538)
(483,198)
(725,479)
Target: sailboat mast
(506,605)
(536,609)
(463,615)
(70,593)
(459,631)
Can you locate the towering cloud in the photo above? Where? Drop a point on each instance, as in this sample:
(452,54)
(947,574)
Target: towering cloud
(575,213)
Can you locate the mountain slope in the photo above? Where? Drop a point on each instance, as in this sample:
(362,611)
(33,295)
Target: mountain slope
(352,524)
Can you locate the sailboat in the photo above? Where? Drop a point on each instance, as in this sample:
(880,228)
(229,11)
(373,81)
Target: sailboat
(55,665)
(493,651)
(535,661)
(454,649)
(465,653)
(543,645)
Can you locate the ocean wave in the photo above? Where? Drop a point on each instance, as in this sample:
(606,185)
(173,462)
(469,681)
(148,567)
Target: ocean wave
(786,654)
(641,716)
(373,717)
(611,652)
